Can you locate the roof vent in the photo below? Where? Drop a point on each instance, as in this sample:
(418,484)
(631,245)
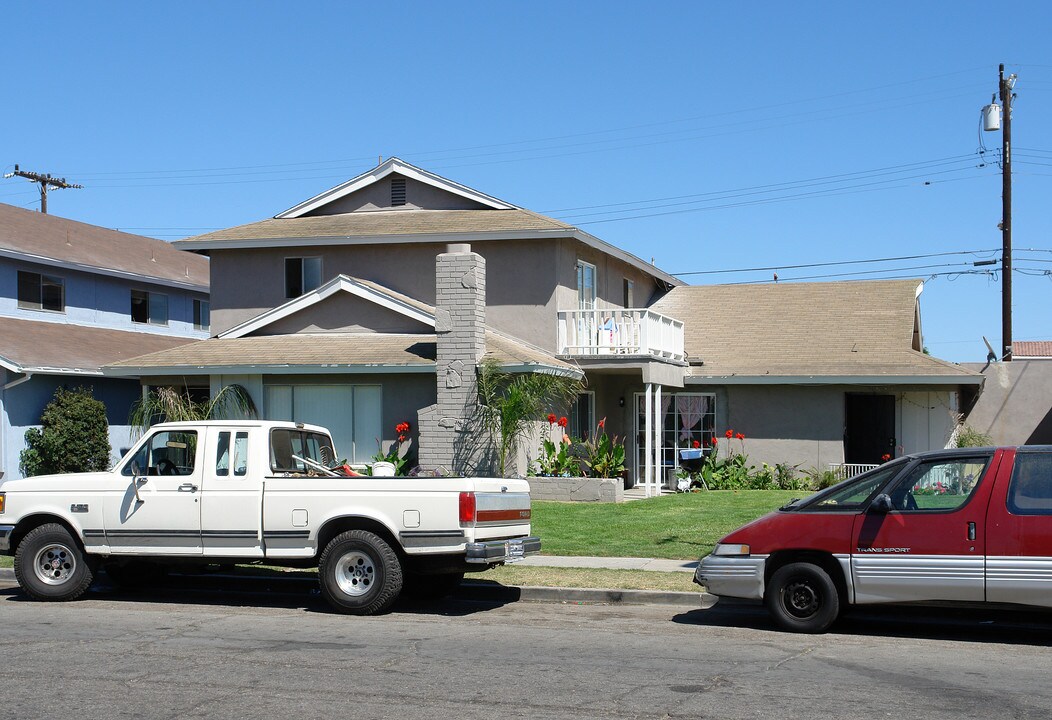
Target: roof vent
(397,192)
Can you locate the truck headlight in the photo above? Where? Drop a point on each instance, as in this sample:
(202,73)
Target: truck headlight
(731,550)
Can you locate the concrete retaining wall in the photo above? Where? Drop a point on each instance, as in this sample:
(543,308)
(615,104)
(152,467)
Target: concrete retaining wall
(577,489)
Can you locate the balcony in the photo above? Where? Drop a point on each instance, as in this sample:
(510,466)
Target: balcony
(618,331)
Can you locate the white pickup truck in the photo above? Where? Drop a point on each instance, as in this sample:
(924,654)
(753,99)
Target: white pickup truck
(251,491)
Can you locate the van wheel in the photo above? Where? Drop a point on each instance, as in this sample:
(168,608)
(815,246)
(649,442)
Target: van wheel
(801,597)
(359,573)
(49,564)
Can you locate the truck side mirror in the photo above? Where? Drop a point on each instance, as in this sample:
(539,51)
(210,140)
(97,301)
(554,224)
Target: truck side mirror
(882,504)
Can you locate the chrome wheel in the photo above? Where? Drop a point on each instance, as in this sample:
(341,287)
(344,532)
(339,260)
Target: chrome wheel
(54,564)
(355,573)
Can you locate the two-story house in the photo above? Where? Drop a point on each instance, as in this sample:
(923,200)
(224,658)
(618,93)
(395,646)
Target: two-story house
(75,297)
(371,303)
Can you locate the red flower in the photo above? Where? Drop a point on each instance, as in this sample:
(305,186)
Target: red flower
(602,423)
(402,428)
(714,441)
(551,418)
(729,434)
(401,438)
(885,457)
(563,422)
(695,444)
(740,436)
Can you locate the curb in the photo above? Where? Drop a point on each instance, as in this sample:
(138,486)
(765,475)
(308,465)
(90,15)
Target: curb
(493,592)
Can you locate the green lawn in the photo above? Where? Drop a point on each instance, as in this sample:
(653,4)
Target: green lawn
(678,527)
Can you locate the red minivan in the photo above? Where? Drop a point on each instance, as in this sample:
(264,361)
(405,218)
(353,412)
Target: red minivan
(965,525)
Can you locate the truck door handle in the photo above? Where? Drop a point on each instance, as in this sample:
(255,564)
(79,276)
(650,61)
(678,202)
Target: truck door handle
(971,531)
(190,487)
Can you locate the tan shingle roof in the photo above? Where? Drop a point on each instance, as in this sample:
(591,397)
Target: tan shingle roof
(383,223)
(38,346)
(845,329)
(69,241)
(329,350)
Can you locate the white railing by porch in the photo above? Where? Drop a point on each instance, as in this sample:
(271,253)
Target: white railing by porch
(850,470)
(612,331)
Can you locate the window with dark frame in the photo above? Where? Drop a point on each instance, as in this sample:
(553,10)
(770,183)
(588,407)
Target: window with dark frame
(149,307)
(302,274)
(629,292)
(41,292)
(202,314)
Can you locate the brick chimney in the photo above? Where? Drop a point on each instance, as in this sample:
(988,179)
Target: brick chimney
(447,436)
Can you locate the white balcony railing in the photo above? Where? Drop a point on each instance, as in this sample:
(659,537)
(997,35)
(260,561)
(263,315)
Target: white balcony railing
(613,331)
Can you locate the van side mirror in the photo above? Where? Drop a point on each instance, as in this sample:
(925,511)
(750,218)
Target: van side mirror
(882,504)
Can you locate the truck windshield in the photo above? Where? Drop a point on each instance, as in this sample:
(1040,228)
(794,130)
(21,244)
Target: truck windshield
(300,451)
(854,493)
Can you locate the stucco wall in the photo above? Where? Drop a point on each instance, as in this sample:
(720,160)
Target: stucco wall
(22,405)
(1015,407)
(345,313)
(417,195)
(98,300)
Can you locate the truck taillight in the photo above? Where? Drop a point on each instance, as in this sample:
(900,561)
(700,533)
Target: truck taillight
(467,507)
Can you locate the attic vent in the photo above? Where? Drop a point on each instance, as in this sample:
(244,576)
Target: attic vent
(397,191)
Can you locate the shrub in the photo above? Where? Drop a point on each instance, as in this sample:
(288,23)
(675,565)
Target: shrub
(73,437)
(604,456)
(967,436)
(821,479)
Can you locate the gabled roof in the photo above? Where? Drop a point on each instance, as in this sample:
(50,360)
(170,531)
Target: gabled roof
(51,348)
(384,297)
(806,333)
(1034,349)
(392,165)
(59,242)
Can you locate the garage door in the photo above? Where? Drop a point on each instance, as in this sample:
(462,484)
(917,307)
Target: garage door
(352,413)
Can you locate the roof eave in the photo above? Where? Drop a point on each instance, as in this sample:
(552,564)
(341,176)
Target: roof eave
(963,379)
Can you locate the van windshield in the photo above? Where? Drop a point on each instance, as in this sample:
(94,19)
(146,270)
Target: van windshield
(854,493)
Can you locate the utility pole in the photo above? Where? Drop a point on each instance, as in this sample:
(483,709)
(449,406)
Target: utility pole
(45,182)
(1004,91)
(992,116)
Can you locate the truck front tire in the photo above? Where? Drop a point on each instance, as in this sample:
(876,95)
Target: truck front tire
(359,573)
(801,597)
(49,564)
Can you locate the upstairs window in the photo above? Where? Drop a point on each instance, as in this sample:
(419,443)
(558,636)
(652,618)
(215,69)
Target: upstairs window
(629,293)
(149,307)
(301,275)
(201,315)
(41,292)
(585,285)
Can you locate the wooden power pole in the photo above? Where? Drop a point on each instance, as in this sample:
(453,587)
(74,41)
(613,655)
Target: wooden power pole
(1004,91)
(45,181)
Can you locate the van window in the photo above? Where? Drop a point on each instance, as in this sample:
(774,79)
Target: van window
(1030,492)
(854,494)
(936,485)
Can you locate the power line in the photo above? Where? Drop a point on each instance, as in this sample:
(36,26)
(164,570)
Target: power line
(838,262)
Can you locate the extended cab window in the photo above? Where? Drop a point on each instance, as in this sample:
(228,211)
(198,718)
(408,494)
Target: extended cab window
(169,452)
(299,451)
(236,456)
(854,494)
(1030,492)
(938,485)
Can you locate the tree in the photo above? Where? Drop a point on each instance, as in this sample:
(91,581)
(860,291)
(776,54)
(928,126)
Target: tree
(74,436)
(510,402)
(166,404)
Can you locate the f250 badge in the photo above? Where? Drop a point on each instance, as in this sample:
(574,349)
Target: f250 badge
(883,550)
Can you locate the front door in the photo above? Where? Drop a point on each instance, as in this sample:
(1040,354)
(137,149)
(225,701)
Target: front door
(869,428)
(159,510)
(930,545)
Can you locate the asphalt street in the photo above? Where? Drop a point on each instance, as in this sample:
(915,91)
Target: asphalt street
(203,649)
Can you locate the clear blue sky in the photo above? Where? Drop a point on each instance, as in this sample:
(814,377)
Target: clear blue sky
(767,134)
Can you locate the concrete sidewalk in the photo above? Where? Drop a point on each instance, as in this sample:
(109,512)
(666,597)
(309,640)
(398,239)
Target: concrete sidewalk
(610,563)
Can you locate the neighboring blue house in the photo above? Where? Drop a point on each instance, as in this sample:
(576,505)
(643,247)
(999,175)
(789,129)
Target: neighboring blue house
(75,297)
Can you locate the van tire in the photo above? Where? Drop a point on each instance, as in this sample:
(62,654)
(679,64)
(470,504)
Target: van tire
(359,573)
(801,597)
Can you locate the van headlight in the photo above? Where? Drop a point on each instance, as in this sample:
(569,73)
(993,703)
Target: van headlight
(731,550)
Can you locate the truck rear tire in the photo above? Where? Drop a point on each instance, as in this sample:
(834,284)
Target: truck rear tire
(359,573)
(801,597)
(49,564)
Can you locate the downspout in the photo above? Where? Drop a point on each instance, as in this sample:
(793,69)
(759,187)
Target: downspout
(19,381)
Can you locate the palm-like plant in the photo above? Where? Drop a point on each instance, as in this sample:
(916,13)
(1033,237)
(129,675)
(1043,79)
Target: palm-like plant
(510,402)
(167,404)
